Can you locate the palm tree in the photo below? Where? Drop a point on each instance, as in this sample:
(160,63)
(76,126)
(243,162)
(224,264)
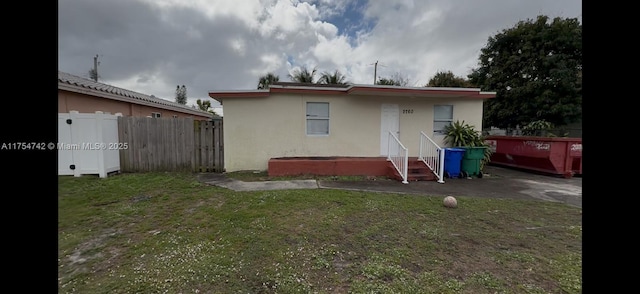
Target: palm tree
(267,80)
(205,105)
(303,75)
(337,78)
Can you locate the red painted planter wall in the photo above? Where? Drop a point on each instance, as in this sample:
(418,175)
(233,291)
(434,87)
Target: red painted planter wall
(329,166)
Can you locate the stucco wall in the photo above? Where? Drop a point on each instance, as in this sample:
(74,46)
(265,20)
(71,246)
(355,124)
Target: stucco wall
(257,129)
(68,101)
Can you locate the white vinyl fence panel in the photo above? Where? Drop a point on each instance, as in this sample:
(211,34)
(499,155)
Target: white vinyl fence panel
(88,143)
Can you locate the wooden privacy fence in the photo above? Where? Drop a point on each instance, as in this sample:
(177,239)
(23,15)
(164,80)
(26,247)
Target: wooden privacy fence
(170,144)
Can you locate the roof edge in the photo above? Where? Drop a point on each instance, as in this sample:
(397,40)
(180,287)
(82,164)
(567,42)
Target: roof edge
(92,92)
(84,86)
(324,88)
(416,88)
(297,88)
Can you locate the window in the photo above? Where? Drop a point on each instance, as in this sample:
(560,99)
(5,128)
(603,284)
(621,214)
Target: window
(155,114)
(175,116)
(317,118)
(442,117)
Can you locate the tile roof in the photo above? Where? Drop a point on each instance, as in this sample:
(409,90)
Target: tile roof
(88,84)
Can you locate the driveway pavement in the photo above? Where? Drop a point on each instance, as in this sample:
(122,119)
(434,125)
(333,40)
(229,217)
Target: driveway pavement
(497,182)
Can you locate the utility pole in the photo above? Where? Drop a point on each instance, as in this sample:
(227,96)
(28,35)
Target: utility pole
(95,67)
(375,72)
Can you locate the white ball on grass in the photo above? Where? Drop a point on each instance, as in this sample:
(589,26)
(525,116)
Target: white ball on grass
(450,202)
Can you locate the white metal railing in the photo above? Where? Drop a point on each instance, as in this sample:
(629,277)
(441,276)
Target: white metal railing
(432,155)
(399,156)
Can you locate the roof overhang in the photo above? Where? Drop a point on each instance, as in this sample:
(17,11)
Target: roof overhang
(157,104)
(358,90)
(420,92)
(219,95)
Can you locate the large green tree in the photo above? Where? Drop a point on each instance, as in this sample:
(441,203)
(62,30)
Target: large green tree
(535,68)
(267,80)
(448,79)
(303,75)
(181,95)
(335,78)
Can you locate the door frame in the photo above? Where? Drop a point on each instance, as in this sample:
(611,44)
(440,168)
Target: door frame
(389,121)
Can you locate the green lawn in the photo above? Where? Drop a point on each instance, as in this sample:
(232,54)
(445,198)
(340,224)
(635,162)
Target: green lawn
(169,233)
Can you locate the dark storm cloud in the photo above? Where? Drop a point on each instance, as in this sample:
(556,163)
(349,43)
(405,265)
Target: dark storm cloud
(134,38)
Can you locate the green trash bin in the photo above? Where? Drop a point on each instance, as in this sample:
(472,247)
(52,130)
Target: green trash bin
(472,161)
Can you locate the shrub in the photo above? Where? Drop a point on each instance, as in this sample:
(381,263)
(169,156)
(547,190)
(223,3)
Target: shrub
(461,134)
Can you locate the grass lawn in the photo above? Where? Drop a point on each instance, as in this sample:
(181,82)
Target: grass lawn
(169,233)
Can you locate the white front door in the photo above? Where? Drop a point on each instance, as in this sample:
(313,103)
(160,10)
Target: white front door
(390,121)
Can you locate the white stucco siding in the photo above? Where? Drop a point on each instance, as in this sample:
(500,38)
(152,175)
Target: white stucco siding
(469,111)
(257,129)
(416,115)
(354,126)
(252,126)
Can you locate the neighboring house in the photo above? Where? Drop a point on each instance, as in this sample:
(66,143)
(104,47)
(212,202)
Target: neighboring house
(87,96)
(311,120)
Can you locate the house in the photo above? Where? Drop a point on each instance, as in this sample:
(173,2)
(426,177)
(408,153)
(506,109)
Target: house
(355,123)
(87,96)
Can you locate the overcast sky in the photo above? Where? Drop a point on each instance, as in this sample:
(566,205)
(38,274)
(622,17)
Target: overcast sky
(151,46)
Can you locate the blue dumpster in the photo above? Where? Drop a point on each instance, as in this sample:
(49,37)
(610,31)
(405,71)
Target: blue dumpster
(453,162)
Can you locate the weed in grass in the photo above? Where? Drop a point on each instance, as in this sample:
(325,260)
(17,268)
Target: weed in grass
(503,257)
(567,270)
(453,286)
(380,268)
(531,289)
(488,281)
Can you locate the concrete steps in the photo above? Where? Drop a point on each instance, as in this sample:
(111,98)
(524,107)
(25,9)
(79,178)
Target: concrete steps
(416,171)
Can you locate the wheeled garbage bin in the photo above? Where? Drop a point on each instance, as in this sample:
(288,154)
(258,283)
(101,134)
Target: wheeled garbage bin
(472,161)
(452,162)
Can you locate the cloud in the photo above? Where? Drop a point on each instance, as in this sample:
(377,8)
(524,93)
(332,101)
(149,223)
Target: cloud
(150,46)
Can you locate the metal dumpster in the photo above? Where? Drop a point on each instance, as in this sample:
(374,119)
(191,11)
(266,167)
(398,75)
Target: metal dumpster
(552,155)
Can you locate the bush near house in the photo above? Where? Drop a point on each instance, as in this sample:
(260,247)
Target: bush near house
(461,134)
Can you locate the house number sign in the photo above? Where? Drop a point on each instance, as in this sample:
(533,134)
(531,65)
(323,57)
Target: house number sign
(407,111)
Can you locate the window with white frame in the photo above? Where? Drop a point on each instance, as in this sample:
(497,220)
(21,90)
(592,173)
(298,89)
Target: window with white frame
(317,118)
(155,114)
(442,117)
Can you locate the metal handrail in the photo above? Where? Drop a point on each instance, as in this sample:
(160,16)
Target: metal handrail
(432,155)
(399,160)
